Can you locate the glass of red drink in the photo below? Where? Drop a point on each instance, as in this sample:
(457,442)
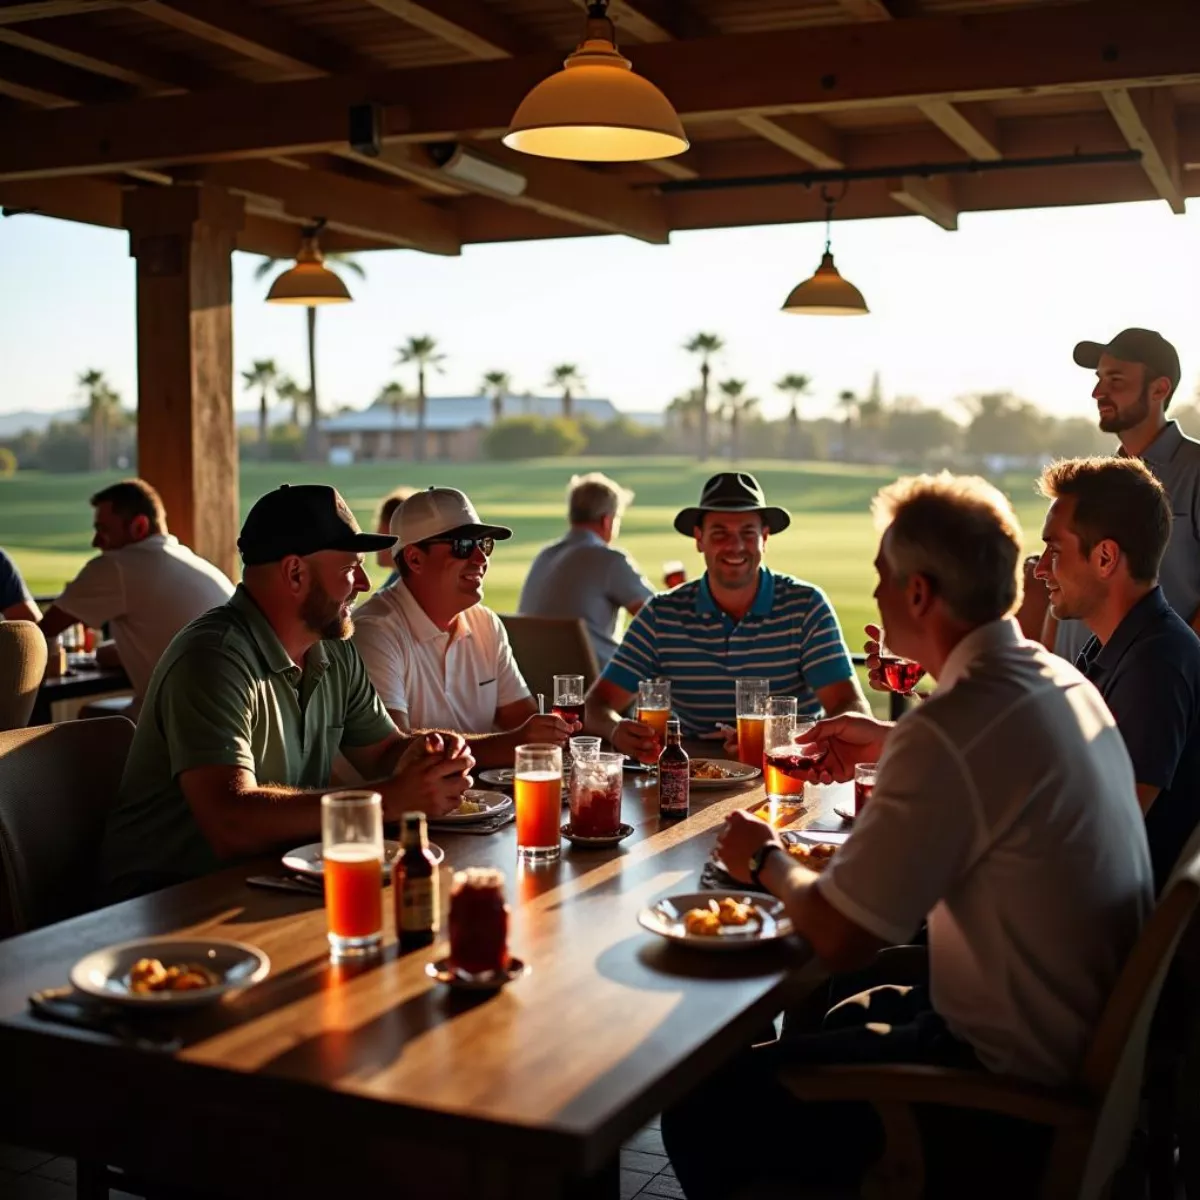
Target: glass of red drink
(568,698)
(595,796)
(900,674)
(864,785)
(674,573)
(352,854)
(478,922)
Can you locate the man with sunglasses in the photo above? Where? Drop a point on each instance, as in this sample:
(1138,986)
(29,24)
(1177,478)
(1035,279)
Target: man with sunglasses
(438,657)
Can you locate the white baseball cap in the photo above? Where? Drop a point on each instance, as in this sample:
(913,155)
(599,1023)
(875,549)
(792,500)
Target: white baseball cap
(436,512)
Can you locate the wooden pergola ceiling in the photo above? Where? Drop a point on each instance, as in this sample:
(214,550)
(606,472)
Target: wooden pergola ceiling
(255,96)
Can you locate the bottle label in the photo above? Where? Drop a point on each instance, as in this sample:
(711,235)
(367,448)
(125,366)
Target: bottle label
(673,789)
(419,905)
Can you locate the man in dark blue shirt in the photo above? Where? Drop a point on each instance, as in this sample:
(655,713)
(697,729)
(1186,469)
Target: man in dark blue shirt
(1105,534)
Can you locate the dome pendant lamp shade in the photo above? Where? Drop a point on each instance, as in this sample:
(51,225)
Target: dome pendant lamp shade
(826,294)
(596,109)
(309,282)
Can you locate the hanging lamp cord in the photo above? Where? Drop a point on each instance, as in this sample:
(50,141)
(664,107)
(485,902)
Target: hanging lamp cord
(830,201)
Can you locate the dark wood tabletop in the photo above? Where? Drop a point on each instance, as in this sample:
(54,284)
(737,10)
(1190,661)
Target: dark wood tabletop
(348,1078)
(79,683)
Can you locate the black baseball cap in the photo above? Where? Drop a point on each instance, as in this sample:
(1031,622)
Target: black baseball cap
(1144,346)
(302,520)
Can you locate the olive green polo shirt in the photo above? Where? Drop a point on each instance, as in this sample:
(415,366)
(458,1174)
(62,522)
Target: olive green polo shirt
(227,693)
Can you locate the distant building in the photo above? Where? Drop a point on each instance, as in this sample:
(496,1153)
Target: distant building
(454,426)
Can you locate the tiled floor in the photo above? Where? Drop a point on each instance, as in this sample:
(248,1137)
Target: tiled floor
(32,1175)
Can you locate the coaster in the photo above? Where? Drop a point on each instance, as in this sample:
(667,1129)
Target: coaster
(596,843)
(488,981)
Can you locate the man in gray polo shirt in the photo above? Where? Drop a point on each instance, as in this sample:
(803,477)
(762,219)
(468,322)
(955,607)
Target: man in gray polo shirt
(250,703)
(1136,376)
(583,574)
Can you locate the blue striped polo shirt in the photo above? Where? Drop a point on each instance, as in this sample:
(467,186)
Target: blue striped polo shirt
(790,636)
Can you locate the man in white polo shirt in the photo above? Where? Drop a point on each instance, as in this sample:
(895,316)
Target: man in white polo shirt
(1004,814)
(440,659)
(144,584)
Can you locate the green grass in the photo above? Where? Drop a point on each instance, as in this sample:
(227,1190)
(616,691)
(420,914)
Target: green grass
(45,520)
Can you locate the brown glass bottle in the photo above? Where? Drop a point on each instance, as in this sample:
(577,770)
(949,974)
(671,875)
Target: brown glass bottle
(674,785)
(415,885)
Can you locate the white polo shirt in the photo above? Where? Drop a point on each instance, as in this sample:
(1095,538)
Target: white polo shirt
(147,592)
(1005,811)
(452,680)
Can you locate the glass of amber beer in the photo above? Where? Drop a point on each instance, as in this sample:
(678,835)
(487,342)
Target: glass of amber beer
(751,716)
(352,850)
(537,791)
(654,706)
(779,748)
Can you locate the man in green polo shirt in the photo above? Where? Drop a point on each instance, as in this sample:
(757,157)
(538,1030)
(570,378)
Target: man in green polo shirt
(251,702)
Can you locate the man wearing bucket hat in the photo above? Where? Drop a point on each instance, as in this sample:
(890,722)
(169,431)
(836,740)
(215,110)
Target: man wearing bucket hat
(439,658)
(739,620)
(251,702)
(1137,373)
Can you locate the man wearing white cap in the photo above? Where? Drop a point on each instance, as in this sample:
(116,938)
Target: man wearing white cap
(438,657)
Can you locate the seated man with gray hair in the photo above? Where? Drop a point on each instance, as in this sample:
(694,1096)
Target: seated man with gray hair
(583,574)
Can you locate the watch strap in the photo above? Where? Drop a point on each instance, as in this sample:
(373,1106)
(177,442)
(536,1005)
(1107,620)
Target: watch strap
(758,860)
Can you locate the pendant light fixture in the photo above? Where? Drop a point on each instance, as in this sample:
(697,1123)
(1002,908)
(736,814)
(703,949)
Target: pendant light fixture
(310,282)
(596,109)
(826,293)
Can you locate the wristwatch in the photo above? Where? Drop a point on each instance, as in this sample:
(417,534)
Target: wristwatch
(758,860)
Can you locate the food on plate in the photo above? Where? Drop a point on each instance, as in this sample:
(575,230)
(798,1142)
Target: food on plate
(719,913)
(467,808)
(149,975)
(814,856)
(705,768)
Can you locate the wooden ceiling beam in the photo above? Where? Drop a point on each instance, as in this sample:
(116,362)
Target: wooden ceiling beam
(471,25)
(39,10)
(1011,52)
(1146,120)
(807,138)
(971,127)
(255,33)
(101,51)
(50,84)
(366,209)
(932,198)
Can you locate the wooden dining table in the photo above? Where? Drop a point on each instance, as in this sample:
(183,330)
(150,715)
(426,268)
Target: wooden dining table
(81,682)
(336,1080)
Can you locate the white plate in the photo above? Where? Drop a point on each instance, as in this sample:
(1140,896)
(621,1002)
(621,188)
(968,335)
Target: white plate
(666,919)
(741,773)
(500,775)
(308,860)
(105,973)
(493,802)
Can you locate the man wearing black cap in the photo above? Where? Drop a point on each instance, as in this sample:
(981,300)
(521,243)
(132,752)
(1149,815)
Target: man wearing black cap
(251,702)
(740,620)
(1137,373)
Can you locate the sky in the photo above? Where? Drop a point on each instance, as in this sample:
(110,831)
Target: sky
(997,305)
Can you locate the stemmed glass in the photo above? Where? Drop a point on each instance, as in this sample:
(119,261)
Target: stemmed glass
(900,674)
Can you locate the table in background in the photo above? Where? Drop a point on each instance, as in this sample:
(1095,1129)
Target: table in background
(328,1080)
(79,683)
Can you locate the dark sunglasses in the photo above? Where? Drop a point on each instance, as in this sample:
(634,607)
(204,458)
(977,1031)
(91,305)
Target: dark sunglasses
(463,547)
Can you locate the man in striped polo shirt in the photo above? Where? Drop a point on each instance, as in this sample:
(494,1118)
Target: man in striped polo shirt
(740,620)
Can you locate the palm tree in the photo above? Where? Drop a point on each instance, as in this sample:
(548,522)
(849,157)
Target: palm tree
(395,396)
(422,352)
(288,391)
(263,375)
(568,377)
(496,384)
(707,346)
(737,404)
(848,402)
(333,260)
(685,410)
(103,407)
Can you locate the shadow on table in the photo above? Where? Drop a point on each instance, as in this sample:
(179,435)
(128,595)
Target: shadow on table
(653,964)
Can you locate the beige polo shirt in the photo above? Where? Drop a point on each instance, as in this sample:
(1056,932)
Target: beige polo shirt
(1005,812)
(442,680)
(147,592)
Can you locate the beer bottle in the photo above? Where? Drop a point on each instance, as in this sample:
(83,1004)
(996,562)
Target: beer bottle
(415,885)
(673,783)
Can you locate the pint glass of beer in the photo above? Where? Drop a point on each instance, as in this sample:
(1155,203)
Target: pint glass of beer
(352,850)
(751,716)
(537,791)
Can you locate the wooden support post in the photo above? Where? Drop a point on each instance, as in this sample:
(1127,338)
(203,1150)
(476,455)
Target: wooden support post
(182,238)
